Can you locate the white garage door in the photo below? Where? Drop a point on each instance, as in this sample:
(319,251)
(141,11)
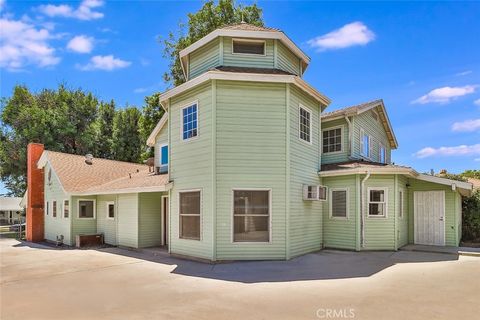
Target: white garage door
(429,212)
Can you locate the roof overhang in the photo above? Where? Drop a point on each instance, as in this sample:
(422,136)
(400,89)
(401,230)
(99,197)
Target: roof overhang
(278,35)
(464,188)
(151,139)
(161,188)
(238,76)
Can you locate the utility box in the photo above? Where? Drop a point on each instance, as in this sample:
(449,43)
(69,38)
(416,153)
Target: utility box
(88,240)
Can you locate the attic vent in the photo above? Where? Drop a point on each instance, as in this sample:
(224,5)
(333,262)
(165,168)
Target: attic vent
(243,46)
(89,158)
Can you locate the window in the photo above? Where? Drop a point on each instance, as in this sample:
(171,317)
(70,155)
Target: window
(377,204)
(305,125)
(54,209)
(190,215)
(339,203)
(332,140)
(164,159)
(251,215)
(86,209)
(190,121)
(256,47)
(47,208)
(66,208)
(401,204)
(382,157)
(313,192)
(322,193)
(365,140)
(110,210)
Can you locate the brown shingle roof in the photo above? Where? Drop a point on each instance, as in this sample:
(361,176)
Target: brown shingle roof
(352,109)
(358,164)
(76,176)
(248,27)
(474,182)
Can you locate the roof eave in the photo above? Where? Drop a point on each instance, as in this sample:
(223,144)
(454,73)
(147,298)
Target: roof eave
(156,130)
(162,188)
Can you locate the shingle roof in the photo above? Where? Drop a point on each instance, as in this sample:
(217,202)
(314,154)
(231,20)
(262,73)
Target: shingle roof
(474,182)
(358,164)
(352,109)
(76,176)
(10,204)
(248,27)
(252,70)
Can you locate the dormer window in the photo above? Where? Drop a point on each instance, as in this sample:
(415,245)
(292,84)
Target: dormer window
(244,46)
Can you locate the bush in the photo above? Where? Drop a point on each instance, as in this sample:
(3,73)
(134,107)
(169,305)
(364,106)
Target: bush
(471,218)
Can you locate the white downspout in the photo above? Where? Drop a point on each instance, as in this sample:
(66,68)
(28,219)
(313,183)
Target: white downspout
(350,140)
(362,208)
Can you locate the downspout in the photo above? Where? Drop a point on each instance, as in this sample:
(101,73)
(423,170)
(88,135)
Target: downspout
(362,209)
(350,140)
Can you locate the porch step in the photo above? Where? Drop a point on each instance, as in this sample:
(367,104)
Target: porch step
(460,251)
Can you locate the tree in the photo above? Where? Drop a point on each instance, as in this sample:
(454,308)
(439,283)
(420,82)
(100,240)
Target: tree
(104,130)
(152,112)
(126,144)
(201,23)
(471,174)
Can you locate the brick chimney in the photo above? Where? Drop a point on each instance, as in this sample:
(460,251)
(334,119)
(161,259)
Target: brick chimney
(35,200)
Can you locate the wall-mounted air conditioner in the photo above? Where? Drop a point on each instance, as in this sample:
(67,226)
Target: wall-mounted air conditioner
(314,192)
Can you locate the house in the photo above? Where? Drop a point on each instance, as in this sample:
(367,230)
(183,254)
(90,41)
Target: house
(249,166)
(10,210)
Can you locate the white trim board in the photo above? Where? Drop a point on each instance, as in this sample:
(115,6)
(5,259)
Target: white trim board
(156,130)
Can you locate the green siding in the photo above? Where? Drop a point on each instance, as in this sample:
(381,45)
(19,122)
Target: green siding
(451,209)
(376,130)
(337,232)
(127,222)
(205,58)
(161,139)
(402,230)
(458,203)
(150,219)
(250,145)
(105,225)
(59,225)
(82,225)
(191,168)
(305,217)
(245,60)
(335,157)
(286,60)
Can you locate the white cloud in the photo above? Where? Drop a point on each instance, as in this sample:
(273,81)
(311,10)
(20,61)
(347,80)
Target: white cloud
(81,44)
(2,3)
(462,150)
(445,94)
(477,102)
(107,63)
(463,73)
(22,44)
(85,11)
(467,125)
(352,34)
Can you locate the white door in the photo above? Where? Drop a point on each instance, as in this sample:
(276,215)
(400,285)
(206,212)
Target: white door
(429,212)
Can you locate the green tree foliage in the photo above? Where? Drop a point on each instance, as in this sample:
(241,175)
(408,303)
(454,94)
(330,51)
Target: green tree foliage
(104,130)
(127,144)
(471,218)
(152,112)
(210,17)
(471,174)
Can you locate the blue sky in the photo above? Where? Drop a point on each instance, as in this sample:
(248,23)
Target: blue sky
(423,59)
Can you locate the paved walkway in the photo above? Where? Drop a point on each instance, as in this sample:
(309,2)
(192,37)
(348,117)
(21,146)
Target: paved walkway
(467,251)
(40,282)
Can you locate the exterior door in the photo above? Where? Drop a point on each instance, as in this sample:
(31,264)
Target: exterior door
(165,219)
(429,213)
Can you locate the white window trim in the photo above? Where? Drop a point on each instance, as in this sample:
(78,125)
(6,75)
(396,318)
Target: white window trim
(94,209)
(362,144)
(326,193)
(69,208)
(385,192)
(401,213)
(181,121)
(269,217)
(108,203)
(166,145)
(342,129)
(330,203)
(380,146)
(250,54)
(190,215)
(310,113)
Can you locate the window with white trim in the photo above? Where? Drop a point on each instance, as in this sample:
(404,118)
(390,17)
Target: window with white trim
(111,210)
(305,127)
(47,208)
(401,203)
(377,202)
(190,121)
(189,211)
(251,215)
(332,140)
(66,208)
(322,193)
(54,209)
(338,203)
(382,157)
(86,209)
(244,46)
(365,144)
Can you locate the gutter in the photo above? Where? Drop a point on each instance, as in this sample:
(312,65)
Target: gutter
(362,209)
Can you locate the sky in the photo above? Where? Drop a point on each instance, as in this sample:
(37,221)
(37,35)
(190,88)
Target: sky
(421,58)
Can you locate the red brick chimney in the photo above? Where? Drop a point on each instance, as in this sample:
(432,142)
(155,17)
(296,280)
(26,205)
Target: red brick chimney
(35,202)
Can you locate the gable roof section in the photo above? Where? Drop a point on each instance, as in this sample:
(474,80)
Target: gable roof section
(243,76)
(10,204)
(245,30)
(103,176)
(364,107)
(152,137)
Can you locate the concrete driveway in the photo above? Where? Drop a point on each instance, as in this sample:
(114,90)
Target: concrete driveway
(40,282)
